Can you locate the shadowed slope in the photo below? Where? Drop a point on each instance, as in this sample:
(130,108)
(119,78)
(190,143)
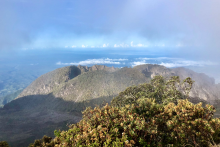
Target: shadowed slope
(28,118)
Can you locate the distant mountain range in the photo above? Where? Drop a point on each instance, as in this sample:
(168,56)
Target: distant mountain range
(58,97)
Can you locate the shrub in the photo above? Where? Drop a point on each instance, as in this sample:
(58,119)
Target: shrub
(148,124)
(44,142)
(159,89)
(3,144)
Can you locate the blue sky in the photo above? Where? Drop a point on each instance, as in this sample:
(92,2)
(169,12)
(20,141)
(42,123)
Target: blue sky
(183,29)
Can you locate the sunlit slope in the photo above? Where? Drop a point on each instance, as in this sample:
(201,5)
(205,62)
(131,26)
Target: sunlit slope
(77,84)
(47,82)
(98,85)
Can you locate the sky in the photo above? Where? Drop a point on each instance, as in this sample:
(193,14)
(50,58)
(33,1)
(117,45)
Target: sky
(186,29)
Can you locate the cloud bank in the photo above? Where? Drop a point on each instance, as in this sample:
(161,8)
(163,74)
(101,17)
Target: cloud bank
(143,23)
(164,61)
(95,61)
(171,62)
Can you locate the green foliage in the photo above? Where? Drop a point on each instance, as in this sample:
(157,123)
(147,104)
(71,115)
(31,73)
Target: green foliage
(148,124)
(44,142)
(57,133)
(3,144)
(181,124)
(163,91)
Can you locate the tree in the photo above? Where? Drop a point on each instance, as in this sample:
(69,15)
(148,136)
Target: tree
(161,90)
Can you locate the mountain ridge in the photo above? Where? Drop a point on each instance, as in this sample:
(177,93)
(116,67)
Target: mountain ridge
(60,96)
(55,81)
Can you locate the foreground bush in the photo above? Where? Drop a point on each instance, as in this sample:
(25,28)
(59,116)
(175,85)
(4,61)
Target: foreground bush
(45,141)
(149,124)
(161,90)
(3,144)
(155,114)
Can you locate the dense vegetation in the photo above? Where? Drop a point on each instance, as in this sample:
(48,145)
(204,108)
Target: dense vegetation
(154,114)
(161,90)
(3,144)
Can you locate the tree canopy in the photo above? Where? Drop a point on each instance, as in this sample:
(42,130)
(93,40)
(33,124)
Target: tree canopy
(163,91)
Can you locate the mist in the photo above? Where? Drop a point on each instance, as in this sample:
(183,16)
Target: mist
(184,29)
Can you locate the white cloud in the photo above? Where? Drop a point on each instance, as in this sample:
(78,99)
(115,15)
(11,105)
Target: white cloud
(117,59)
(183,63)
(171,62)
(170,65)
(105,45)
(139,45)
(159,58)
(59,63)
(125,45)
(83,46)
(121,45)
(116,45)
(138,63)
(165,61)
(131,45)
(66,46)
(73,46)
(95,61)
